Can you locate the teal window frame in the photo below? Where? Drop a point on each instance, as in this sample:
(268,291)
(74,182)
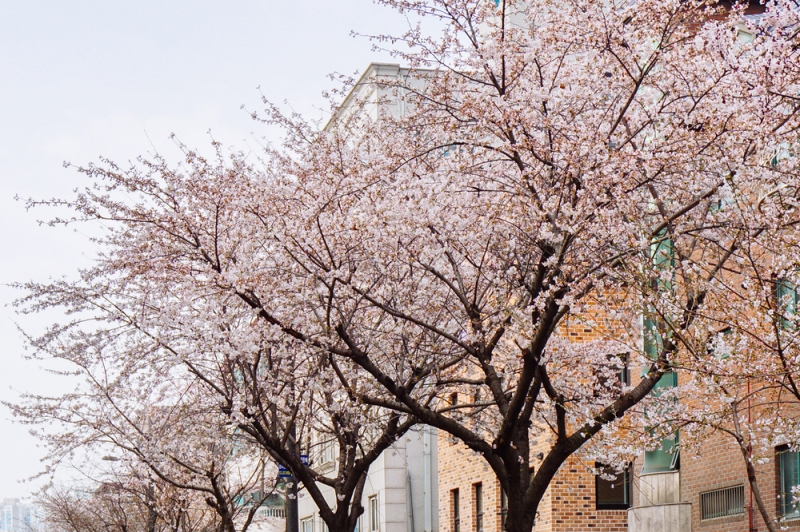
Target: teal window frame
(786,297)
(667,457)
(664,459)
(788,478)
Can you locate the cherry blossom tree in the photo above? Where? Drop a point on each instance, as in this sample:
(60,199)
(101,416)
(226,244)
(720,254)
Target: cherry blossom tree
(121,504)
(177,370)
(560,170)
(164,442)
(554,194)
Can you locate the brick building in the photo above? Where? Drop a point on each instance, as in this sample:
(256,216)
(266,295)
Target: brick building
(702,492)
(662,491)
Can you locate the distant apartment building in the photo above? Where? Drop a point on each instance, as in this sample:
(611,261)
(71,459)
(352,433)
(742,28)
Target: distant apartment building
(270,516)
(16,516)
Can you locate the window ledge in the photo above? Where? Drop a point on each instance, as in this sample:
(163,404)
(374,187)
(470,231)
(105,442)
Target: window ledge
(724,519)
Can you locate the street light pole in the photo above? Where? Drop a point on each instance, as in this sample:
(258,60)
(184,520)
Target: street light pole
(292,519)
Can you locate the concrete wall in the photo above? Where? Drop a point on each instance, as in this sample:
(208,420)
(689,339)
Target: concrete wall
(659,488)
(661,518)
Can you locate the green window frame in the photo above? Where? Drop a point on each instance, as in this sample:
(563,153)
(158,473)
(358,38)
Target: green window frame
(786,295)
(664,459)
(788,478)
(667,456)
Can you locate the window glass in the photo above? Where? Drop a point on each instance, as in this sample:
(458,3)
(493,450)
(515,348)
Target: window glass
(307,524)
(328,451)
(722,503)
(665,458)
(456,511)
(373,513)
(612,494)
(790,479)
(478,507)
(786,293)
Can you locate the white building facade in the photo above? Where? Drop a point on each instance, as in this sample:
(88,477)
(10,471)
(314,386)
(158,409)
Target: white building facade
(401,490)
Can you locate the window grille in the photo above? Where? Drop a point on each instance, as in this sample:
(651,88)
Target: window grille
(722,503)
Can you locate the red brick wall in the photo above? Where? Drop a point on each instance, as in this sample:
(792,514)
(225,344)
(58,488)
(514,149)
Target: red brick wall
(573,502)
(568,505)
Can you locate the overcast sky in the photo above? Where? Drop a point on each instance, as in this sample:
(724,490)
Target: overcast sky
(81,79)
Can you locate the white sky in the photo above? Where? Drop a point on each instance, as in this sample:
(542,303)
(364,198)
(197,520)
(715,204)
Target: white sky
(85,78)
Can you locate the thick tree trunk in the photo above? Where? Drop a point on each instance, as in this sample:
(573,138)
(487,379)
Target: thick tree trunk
(751,478)
(520,517)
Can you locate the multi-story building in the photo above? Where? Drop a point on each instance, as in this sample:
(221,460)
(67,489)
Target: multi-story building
(662,491)
(16,516)
(401,490)
(708,491)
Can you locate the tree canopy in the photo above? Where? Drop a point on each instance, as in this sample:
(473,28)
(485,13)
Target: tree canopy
(622,170)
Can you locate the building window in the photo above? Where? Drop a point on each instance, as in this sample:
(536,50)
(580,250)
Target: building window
(789,479)
(614,494)
(722,503)
(478,507)
(327,451)
(307,524)
(786,294)
(454,509)
(374,518)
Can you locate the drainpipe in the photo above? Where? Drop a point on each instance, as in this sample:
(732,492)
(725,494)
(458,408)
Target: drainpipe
(409,503)
(750,457)
(428,481)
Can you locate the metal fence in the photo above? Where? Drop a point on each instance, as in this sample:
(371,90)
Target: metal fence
(272,512)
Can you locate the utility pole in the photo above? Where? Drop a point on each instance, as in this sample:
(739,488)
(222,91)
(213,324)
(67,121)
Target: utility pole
(292,519)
